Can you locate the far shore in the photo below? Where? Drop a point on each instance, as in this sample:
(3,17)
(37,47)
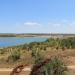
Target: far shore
(53,35)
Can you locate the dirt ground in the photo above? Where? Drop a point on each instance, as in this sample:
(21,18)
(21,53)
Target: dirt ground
(8,73)
(70,72)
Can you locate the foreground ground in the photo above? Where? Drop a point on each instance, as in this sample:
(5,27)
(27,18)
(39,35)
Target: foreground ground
(26,71)
(8,73)
(68,57)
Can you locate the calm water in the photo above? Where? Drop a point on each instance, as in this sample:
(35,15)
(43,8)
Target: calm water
(12,41)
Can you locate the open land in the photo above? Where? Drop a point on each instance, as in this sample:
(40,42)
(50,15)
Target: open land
(64,48)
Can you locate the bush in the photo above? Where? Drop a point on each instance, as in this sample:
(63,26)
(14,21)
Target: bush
(37,55)
(15,55)
(52,66)
(2,51)
(55,67)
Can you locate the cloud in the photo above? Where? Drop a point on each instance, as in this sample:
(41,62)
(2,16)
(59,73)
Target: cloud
(72,23)
(51,27)
(32,24)
(62,24)
(55,24)
(61,27)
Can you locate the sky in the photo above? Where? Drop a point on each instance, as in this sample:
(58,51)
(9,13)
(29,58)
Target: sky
(37,16)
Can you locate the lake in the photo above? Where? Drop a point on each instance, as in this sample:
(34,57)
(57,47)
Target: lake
(12,41)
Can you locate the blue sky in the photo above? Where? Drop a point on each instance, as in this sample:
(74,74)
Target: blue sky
(37,16)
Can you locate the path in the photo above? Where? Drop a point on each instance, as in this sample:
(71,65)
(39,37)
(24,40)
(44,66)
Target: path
(71,67)
(29,69)
(10,69)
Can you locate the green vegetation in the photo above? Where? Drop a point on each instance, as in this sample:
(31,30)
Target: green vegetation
(62,43)
(28,53)
(52,66)
(2,51)
(55,67)
(38,56)
(15,55)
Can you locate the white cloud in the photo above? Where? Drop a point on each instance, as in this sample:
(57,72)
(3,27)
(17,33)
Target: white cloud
(55,24)
(54,27)
(72,24)
(62,24)
(32,24)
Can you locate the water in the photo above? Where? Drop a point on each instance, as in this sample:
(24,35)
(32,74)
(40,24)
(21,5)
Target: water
(12,41)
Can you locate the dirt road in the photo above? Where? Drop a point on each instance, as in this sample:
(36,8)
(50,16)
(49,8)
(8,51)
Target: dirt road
(71,67)
(29,69)
(10,69)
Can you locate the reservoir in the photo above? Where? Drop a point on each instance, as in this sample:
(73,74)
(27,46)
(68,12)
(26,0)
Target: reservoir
(13,41)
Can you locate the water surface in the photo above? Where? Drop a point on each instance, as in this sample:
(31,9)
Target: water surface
(12,41)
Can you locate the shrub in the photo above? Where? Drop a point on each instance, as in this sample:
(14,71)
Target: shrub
(52,66)
(55,67)
(37,54)
(2,51)
(15,55)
